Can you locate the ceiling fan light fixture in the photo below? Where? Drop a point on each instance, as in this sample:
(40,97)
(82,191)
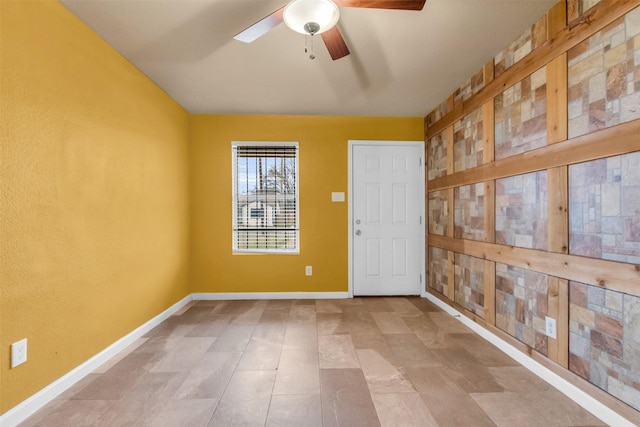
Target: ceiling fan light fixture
(311,16)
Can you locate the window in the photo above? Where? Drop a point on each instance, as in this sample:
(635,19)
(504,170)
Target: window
(265,197)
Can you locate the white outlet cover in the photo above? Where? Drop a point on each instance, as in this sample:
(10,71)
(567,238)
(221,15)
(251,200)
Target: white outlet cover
(308,270)
(550,327)
(337,196)
(18,352)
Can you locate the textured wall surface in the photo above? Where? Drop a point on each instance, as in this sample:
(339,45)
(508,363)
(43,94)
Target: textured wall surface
(604,77)
(439,270)
(469,88)
(521,116)
(604,340)
(467,141)
(469,283)
(521,305)
(604,209)
(438,212)
(522,211)
(469,212)
(529,40)
(437,156)
(95,195)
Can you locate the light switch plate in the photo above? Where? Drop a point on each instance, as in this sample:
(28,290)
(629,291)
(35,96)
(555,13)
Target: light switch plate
(337,196)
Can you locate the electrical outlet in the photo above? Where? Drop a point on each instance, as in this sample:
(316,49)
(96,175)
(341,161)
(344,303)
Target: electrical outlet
(550,326)
(18,353)
(308,270)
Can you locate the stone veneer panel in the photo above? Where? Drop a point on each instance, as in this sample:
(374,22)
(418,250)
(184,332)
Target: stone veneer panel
(439,270)
(521,305)
(521,211)
(531,39)
(438,113)
(437,156)
(469,283)
(604,343)
(438,212)
(469,212)
(469,88)
(467,141)
(604,208)
(604,77)
(577,8)
(521,116)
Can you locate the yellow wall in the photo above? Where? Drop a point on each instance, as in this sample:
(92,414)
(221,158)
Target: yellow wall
(94,227)
(323,143)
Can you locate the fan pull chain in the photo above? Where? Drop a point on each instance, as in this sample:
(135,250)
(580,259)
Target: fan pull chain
(306,50)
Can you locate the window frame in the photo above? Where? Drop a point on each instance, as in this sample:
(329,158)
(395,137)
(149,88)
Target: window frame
(235,194)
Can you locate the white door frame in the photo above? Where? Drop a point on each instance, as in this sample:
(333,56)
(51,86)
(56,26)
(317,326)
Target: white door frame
(354,142)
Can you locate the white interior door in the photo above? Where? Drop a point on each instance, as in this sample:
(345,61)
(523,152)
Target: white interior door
(387,202)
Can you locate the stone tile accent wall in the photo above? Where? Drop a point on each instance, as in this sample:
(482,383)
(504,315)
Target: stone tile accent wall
(521,116)
(604,77)
(576,8)
(521,211)
(469,283)
(604,342)
(438,212)
(604,208)
(437,156)
(469,88)
(467,141)
(439,270)
(437,113)
(469,212)
(531,39)
(521,305)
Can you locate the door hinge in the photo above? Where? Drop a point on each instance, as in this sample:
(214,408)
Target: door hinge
(419,161)
(421,278)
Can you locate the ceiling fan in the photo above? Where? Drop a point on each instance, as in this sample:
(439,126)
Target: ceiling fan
(311,17)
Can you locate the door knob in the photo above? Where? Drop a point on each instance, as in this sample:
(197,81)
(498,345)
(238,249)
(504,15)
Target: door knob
(357,221)
(358,232)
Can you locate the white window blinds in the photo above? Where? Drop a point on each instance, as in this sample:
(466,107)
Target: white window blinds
(265,197)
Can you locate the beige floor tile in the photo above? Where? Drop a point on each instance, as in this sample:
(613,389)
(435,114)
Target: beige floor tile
(121,355)
(185,355)
(73,413)
(295,411)
(402,410)
(298,373)
(390,323)
(212,326)
(337,351)
(346,401)
(403,307)
(190,412)
(302,313)
(246,400)
(381,375)
(328,306)
(209,378)
(233,338)
(300,337)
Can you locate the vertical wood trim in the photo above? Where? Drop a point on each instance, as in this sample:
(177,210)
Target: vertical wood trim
(562,323)
(488,72)
(558,216)
(488,131)
(490,211)
(553,310)
(490,292)
(451,276)
(556,19)
(450,217)
(557,100)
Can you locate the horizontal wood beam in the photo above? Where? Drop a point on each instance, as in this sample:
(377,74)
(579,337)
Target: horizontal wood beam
(613,141)
(611,275)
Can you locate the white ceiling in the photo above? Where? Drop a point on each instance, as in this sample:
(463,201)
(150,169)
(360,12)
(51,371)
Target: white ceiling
(402,63)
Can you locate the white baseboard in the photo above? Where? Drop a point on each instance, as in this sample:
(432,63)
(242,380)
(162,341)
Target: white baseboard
(598,409)
(29,406)
(211,296)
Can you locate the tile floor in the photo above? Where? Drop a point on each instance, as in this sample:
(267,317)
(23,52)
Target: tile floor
(353,362)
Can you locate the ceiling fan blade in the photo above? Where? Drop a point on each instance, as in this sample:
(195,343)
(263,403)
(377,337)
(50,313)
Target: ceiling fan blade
(335,43)
(261,27)
(383,4)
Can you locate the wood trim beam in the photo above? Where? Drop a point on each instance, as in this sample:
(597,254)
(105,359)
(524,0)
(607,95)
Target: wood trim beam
(611,275)
(613,141)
